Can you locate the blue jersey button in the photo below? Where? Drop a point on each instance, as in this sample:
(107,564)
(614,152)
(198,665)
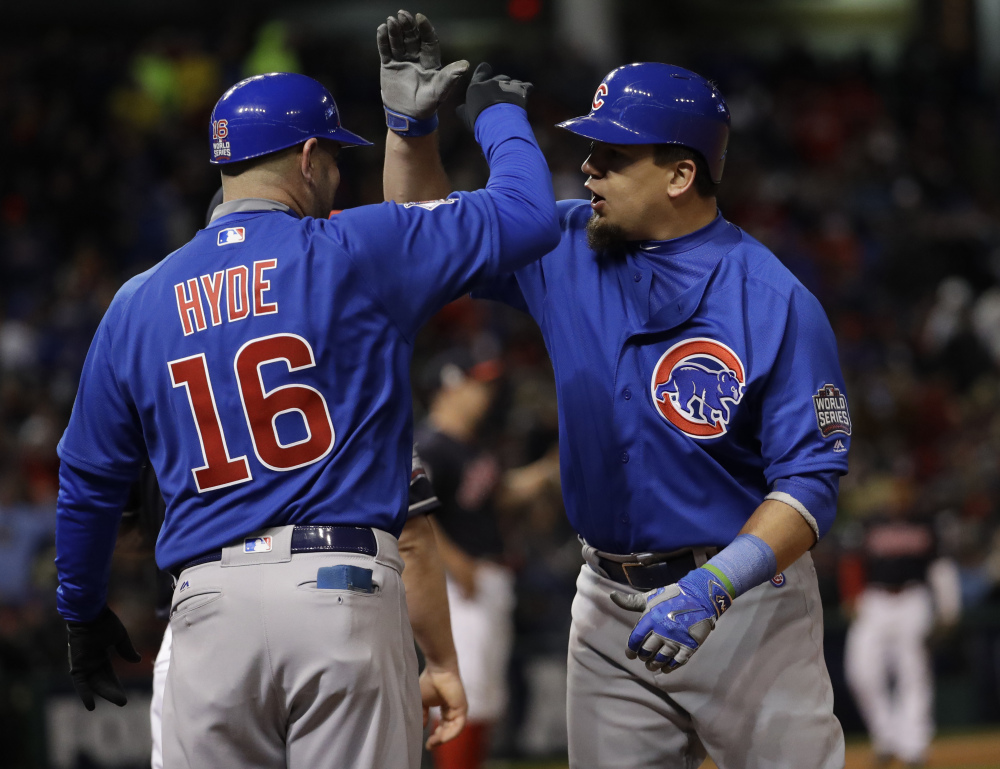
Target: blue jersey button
(625,518)
(627,394)
(637,277)
(624,457)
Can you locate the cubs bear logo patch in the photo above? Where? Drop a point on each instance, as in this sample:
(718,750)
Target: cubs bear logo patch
(696,385)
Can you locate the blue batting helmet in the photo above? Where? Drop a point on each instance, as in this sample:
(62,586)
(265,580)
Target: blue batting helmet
(267,113)
(654,103)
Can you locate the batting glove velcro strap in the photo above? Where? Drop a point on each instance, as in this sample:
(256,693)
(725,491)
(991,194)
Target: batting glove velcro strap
(404,125)
(486,89)
(90,658)
(675,620)
(413,82)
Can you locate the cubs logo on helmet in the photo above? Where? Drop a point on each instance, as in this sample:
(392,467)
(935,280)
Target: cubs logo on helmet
(602,90)
(696,384)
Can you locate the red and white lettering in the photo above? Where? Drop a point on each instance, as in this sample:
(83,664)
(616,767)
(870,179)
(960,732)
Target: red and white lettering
(237,292)
(602,90)
(189,307)
(260,286)
(262,408)
(213,292)
(219,469)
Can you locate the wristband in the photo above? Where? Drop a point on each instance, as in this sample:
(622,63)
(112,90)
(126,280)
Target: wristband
(404,125)
(747,562)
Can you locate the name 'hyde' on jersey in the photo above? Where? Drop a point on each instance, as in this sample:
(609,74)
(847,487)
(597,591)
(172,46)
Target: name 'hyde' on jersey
(264,364)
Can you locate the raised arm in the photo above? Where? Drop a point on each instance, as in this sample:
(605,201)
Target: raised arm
(413,86)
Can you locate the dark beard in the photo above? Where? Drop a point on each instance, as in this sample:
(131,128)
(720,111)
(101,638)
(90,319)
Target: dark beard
(606,240)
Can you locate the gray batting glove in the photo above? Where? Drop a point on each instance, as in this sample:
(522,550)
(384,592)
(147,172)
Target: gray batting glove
(413,82)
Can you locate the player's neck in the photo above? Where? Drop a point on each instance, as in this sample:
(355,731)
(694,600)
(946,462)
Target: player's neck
(237,188)
(682,219)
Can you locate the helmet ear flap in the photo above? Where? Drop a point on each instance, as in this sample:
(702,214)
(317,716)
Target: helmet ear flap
(653,103)
(268,113)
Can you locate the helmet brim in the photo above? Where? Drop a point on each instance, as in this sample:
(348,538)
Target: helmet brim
(605,130)
(350,138)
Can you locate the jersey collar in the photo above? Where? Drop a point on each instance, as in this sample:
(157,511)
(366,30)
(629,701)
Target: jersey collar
(686,242)
(249,204)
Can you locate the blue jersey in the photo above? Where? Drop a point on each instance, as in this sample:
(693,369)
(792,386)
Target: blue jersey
(264,366)
(691,374)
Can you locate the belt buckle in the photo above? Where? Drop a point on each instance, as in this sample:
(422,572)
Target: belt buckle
(628,575)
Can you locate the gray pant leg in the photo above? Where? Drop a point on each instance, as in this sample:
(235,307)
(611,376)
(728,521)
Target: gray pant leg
(757,693)
(219,707)
(268,671)
(616,718)
(356,697)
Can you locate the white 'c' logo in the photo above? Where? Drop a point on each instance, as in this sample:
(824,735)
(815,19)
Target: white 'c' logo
(602,90)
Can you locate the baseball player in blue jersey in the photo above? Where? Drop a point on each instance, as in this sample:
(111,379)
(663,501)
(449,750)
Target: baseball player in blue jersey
(703,429)
(264,368)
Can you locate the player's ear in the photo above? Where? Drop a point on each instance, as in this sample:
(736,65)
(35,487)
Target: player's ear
(307,160)
(680,177)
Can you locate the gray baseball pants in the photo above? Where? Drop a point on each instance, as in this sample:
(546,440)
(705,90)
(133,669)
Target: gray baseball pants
(757,695)
(268,671)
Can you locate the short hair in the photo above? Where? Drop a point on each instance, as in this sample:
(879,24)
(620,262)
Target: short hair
(672,153)
(242,166)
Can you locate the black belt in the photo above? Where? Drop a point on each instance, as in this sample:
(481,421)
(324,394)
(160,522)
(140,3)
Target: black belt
(311,539)
(649,576)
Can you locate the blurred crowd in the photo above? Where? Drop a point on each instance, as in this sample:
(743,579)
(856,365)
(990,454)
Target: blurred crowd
(879,188)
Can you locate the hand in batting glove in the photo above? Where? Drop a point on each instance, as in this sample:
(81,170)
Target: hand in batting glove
(90,659)
(675,620)
(487,89)
(413,82)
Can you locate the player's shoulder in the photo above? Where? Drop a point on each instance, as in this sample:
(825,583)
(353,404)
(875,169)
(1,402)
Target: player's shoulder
(131,291)
(763,269)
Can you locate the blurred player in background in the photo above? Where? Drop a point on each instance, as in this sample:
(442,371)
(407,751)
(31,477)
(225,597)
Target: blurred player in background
(703,429)
(898,589)
(467,480)
(264,370)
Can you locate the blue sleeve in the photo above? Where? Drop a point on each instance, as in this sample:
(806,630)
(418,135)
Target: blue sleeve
(88,510)
(814,495)
(416,257)
(104,435)
(804,425)
(503,288)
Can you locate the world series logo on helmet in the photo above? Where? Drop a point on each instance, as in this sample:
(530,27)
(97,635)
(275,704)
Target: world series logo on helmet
(220,147)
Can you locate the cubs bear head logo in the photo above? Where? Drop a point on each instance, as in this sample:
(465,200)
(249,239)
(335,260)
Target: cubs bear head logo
(695,386)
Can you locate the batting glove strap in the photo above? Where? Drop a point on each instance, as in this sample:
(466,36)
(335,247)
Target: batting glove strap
(90,658)
(404,125)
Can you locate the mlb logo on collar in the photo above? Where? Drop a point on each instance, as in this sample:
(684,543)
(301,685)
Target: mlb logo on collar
(257,545)
(232,235)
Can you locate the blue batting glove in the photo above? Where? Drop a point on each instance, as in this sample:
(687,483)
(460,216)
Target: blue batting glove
(675,620)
